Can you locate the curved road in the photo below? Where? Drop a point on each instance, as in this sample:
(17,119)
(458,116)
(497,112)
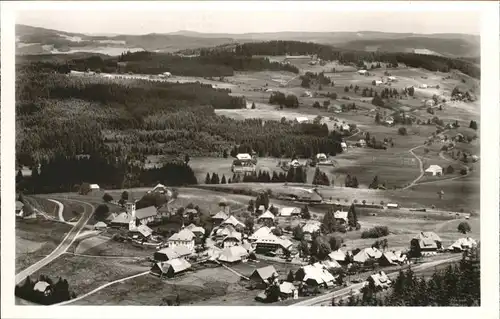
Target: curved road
(326,299)
(421,166)
(63,246)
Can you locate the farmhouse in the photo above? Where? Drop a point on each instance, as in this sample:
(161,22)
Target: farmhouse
(345,127)
(379,280)
(244,157)
(132,217)
(231,220)
(266,217)
(233,254)
(218,218)
(389,120)
(338,256)
(315,275)
(366,254)
(330,264)
(170,268)
(19,209)
(426,242)
(301,119)
(183,238)
(423,86)
(43,287)
(144,230)
(344,146)
(463,244)
(94,187)
(392,206)
(262,232)
(170,253)
(362,72)
(165,75)
(362,143)
(273,243)
(289,211)
(378,82)
(309,228)
(287,290)
(391,78)
(341,217)
(434,170)
(197,230)
(232,239)
(261,276)
(392,258)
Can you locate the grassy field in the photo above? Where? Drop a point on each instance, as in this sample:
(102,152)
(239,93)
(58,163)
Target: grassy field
(37,238)
(86,273)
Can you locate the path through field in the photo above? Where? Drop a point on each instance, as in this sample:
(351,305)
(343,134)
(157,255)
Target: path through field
(421,167)
(63,246)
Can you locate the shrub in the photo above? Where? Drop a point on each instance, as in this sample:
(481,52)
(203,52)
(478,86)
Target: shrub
(464,227)
(402,131)
(375,232)
(107,198)
(101,212)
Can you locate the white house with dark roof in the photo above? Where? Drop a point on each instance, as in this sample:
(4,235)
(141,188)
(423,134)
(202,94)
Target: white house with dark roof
(434,170)
(219,217)
(231,220)
(267,216)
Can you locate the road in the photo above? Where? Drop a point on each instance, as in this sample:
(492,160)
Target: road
(326,299)
(60,208)
(421,167)
(63,246)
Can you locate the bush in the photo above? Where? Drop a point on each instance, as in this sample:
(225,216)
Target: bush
(375,232)
(107,198)
(101,212)
(464,227)
(402,131)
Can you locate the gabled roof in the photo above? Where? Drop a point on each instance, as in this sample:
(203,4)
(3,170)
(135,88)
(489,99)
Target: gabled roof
(196,229)
(428,235)
(94,186)
(232,254)
(289,211)
(337,255)
(273,239)
(146,212)
(122,218)
(111,216)
(311,227)
(244,156)
(184,235)
(264,273)
(169,252)
(41,286)
(463,243)
(340,215)
(100,225)
(19,205)
(366,254)
(177,264)
(287,288)
(233,221)
(380,279)
(144,230)
(233,235)
(317,273)
(434,168)
(266,215)
(220,215)
(262,232)
(331,264)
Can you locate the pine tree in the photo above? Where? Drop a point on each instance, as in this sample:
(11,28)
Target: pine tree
(223,180)
(207,179)
(352,218)
(355,183)
(374,183)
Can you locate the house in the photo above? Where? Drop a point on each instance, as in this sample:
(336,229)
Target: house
(183,238)
(434,170)
(19,208)
(162,189)
(244,157)
(131,217)
(389,121)
(273,243)
(266,217)
(423,86)
(222,231)
(338,256)
(170,268)
(330,264)
(197,230)
(121,220)
(170,253)
(218,218)
(392,205)
(378,82)
(426,242)
(262,232)
(287,290)
(367,254)
(311,226)
(463,244)
(43,287)
(392,258)
(341,216)
(379,281)
(94,187)
(315,275)
(289,211)
(345,127)
(232,239)
(362,72)
(362,143)
(261,277)
(391,78)
(165,75)
(233,254)
(100,226)
(144,230)
(231,220)
(301,119)
(429,103)
(344,146)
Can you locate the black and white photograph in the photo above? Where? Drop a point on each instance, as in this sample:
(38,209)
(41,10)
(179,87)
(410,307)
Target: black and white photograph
(192,154)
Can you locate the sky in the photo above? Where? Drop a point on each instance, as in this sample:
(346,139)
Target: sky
(233,21)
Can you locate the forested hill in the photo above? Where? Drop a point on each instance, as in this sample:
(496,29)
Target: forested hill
(345,56)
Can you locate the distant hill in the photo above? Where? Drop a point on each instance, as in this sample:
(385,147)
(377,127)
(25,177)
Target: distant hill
(33,40)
